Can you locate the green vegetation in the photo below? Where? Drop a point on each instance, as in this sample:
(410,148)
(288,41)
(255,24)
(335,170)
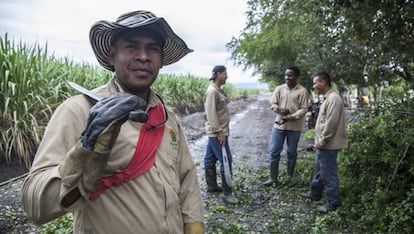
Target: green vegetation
(186,93)
(361,43)
(358,42)
(61,225)
(34,83)
(276,209)
(377,169)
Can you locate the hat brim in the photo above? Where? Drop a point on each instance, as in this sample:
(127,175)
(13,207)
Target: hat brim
(100,38)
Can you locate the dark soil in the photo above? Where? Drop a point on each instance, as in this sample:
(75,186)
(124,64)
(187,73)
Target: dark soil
(9,170)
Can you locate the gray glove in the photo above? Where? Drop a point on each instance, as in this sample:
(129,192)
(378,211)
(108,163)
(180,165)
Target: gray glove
(284,112)
(87,159)
(105,120)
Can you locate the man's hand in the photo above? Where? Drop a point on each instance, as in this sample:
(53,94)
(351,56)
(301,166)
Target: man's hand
(105,120)
(86,161)
(222,140)
(288,117)
(284,112)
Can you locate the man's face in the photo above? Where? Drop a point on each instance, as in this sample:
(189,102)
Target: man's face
(318,85)
(290,78)
(137,59)
(222,76)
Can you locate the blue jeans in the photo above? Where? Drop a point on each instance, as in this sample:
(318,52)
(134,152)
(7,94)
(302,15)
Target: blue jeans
(325,175)
(276,145)
(214,153)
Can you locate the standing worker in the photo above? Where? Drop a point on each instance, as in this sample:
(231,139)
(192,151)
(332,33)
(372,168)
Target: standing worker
(330,137)
(217,129)
(290,103)
(122,164)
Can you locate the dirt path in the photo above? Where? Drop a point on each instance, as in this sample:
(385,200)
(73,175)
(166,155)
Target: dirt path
(250,128)
(251,124)
(259,206)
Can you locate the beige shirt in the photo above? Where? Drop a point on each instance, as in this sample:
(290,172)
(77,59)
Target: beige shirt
(296,100)
(330,129)
(217,112)
(161,200)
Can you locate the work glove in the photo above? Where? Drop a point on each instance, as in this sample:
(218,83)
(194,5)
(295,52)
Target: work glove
(284,111)
(88,158)
(194,228)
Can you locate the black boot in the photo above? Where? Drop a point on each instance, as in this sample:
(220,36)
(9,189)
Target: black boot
(316,189)
(227,192)
(290,169)
(274,173)
(211,179)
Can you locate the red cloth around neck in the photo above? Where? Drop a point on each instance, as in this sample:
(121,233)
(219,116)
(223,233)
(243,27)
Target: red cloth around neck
(144,156)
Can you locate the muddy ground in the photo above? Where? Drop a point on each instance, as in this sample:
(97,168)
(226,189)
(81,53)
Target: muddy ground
(250,128)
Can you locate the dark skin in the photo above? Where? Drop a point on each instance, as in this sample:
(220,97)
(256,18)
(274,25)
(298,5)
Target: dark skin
(137,59)
(291,78)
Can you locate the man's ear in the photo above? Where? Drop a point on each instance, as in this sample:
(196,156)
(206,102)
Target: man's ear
(162,58)
(111,55)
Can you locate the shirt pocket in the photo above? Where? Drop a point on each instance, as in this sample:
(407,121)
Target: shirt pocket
(172,160)
(172,175)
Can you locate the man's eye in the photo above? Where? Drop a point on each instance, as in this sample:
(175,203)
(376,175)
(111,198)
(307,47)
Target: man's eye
(155,48)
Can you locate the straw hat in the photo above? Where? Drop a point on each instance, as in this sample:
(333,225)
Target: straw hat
(100,35)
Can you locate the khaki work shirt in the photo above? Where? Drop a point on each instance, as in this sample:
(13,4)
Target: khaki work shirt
(330,129)
(296,100)
(217,112)
(160,200)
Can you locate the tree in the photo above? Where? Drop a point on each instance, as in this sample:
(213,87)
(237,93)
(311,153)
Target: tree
(365,43)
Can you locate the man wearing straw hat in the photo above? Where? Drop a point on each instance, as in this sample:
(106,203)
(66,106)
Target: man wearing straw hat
(121,164)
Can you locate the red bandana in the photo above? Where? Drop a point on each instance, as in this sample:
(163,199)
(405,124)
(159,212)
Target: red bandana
(144,156)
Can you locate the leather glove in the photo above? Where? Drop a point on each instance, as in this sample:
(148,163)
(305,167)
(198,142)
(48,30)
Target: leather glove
(284,111)
(89,157)
(194,228)
(105,120)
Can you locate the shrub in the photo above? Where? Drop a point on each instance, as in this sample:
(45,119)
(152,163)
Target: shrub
(377,169)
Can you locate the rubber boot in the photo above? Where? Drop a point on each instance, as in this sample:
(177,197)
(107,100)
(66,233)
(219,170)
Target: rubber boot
(316,189)
(211,179)
(290,169)
(227,192)
(274,173)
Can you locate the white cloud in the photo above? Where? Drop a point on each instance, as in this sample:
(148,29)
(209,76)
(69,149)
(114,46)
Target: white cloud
(206,26)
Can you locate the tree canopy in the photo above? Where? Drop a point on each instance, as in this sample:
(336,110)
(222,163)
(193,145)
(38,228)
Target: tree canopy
(360,42)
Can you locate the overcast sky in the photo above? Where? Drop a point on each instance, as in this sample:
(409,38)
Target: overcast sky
(206,26)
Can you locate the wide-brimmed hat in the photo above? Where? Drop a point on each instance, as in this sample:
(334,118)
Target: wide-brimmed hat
(101,32)
(217,69)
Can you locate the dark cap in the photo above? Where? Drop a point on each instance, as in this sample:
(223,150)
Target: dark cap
(217,69)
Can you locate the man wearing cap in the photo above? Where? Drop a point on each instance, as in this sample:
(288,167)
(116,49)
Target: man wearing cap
(121,164)
(217,129)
